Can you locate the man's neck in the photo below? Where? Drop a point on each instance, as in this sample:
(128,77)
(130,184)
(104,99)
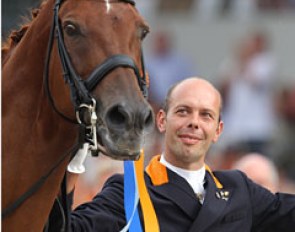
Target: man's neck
(194,177)
(182,164)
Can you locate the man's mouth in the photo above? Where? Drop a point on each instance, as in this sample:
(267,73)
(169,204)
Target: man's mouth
(189,139)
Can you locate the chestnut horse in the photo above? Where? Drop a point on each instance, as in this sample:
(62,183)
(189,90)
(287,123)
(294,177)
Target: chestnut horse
(74,74)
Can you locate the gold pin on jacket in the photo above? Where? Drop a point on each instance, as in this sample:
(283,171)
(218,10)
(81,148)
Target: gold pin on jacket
(224,195)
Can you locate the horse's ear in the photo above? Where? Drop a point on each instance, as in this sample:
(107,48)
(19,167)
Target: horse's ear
(16,36)
(35,12)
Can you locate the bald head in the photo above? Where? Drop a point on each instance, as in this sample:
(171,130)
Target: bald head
(192,84)
(260,169)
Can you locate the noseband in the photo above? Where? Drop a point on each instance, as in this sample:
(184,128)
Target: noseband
(80,89)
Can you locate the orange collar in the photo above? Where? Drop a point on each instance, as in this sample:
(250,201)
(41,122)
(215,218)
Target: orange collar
(159,176)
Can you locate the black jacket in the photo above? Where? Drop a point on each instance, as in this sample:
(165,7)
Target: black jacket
(238,206)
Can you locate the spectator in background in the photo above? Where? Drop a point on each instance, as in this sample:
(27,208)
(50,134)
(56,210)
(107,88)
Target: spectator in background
(260,169)
(266,172)
(284,144)
(166,66)
(247,86)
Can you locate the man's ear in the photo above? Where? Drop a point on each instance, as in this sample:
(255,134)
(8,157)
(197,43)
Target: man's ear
(219,130)
(161,120)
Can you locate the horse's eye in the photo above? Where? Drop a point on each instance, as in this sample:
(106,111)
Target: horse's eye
(71,29)
(144,33)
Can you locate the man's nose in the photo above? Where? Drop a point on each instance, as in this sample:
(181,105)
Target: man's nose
(195,121)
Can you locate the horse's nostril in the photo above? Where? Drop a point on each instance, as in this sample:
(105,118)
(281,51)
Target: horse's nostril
(120,118)
(149,119)
(117,116)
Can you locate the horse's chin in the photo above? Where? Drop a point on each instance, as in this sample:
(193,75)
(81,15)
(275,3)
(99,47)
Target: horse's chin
(116,153)
(123,157)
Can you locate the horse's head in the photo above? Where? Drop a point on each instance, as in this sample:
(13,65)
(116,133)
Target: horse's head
(93,31)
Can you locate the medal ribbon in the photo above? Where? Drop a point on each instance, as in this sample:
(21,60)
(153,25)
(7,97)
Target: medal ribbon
(135,190)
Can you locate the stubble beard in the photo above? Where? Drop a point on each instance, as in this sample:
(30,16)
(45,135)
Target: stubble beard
(187,154)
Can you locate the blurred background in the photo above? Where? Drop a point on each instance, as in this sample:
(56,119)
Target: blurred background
(246,49)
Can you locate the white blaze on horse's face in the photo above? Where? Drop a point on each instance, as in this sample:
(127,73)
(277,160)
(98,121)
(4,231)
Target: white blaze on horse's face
(108,5)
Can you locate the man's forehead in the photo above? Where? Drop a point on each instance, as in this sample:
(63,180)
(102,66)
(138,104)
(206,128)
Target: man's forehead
(194,105)
(205,101)
(194,96)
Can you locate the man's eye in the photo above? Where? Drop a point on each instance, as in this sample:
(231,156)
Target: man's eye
(207,115)
(181,111)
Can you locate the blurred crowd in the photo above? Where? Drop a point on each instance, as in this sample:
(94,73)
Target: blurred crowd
(13,11)
(210,9)
(258,112)
(234,6)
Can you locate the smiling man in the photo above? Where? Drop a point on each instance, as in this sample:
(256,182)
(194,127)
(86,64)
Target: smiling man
(191,122)
(186,194)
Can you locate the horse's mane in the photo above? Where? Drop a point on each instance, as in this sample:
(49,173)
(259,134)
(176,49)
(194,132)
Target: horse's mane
(16,35)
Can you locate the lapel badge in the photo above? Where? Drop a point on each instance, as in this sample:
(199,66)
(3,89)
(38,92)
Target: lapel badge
(224,195)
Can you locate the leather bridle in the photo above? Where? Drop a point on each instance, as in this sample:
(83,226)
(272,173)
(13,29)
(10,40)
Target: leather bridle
(80,89)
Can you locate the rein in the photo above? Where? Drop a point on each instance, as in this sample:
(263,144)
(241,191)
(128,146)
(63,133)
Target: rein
(80,96)
(35,187)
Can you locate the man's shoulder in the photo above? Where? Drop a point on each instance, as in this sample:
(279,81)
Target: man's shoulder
(229,173)
(231,177)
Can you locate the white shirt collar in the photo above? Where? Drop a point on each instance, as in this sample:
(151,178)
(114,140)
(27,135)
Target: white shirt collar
(194,178)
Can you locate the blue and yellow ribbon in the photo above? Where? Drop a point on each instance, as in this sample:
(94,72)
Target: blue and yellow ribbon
(131,198)
(135,190)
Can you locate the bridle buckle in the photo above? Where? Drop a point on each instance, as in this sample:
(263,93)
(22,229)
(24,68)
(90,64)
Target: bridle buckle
(90,128)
